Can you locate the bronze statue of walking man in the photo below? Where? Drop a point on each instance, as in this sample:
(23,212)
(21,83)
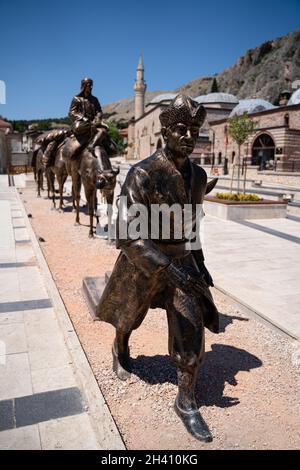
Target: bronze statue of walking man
(155,271)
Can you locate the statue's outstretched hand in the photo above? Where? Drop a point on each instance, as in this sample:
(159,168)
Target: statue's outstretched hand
(187,279)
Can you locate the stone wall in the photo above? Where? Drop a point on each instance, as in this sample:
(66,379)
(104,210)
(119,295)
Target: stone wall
(287,179)
(281,178)
(283,126)
(146,136)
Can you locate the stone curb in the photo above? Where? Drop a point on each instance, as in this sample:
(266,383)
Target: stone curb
(102,421)
(247,310)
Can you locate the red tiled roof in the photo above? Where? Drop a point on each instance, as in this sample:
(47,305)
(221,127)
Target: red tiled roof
(5,124)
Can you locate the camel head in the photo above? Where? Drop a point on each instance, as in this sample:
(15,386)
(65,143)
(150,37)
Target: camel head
(107,178)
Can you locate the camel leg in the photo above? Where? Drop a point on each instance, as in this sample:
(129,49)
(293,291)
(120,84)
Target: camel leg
(91,205)
(48,185)
(42,181)
(73,199)
(109,220)
(76,184)
(61,177)
(109,201)
(64,179)
(39,183)
(52,188)
(96,207)
(60,189)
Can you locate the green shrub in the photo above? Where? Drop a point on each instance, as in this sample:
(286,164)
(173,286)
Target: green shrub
(238,197)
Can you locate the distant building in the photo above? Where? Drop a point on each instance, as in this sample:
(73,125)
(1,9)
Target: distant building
(16,147)
(5,129)
(144,135)
(274,145)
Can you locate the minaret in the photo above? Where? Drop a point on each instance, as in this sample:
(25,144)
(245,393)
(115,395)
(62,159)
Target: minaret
(140,89)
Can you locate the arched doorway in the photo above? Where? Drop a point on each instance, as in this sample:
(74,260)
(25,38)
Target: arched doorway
(263,151)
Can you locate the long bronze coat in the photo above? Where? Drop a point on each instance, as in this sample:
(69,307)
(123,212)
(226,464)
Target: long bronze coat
(82,107)
(138,280)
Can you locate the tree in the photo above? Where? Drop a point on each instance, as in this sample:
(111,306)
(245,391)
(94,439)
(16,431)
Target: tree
(116,136)
(214,87)
(240,128)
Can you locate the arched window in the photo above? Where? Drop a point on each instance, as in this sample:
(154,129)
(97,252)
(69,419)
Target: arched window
(232,157)
(263,150)
(219,158)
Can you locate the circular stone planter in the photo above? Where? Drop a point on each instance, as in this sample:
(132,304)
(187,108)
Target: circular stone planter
(241,210)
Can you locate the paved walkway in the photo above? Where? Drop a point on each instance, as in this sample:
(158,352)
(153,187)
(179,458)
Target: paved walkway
(258,263)
(49,398)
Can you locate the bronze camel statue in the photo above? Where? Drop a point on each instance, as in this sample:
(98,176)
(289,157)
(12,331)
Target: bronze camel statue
(94,172)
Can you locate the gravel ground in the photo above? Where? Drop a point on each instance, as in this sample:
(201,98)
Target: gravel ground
(248,388)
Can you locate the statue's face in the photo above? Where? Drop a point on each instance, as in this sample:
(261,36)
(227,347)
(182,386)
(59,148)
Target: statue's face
(181,138)
(88,88)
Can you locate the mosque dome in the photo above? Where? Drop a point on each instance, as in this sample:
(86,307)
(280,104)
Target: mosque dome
(253,105)
(163,97)
(217,98)
(295,98)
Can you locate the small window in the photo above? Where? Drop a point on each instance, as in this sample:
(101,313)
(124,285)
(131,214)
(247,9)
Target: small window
(287,120)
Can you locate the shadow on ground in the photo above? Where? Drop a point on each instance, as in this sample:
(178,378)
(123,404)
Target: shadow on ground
(221,366)
(226,320)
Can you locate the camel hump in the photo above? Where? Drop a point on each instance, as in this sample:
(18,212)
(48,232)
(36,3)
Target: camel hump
(57,135)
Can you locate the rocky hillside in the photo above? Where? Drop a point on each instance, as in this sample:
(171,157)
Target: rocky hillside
(262,73)
(123,110)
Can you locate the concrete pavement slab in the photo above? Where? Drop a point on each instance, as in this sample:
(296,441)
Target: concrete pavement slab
(27,438)
(52,379)
(261,268)
(67,433)
(15,376)
(14,336)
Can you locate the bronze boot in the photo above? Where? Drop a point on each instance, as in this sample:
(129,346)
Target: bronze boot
(121,356)
(186,408)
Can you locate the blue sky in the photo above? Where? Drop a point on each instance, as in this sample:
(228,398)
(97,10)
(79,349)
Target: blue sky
(48,46)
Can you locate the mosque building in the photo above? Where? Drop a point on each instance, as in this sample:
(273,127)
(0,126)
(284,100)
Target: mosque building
(275,144)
